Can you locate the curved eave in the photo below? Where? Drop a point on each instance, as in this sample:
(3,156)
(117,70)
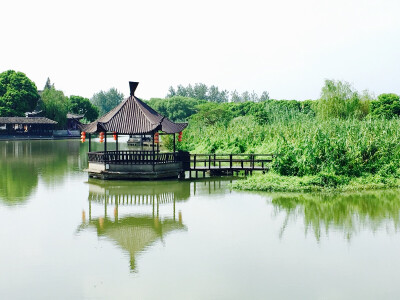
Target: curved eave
(133,117)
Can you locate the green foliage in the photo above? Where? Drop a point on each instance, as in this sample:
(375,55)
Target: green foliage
(240,127)
(18,94)
(106,101)
(338,100)
(177,108)
(323,182)
(211,113)
(350,147)
(55,106)
(80,105)
(201,91)
(387,106)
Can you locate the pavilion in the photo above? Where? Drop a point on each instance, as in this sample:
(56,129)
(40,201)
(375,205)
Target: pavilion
(133,117)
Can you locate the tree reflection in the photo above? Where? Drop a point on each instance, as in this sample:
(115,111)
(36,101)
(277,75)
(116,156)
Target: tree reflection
(23,163)
(348,213)
(17,181)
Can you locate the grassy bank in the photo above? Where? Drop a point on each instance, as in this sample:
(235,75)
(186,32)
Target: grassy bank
(322,182)
(310,154)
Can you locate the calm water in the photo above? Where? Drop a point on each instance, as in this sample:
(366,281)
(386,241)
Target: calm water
(66,237)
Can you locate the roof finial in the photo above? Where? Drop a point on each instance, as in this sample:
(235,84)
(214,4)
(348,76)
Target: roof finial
(133,85)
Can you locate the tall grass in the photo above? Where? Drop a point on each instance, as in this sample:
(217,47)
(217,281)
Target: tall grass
(304,145)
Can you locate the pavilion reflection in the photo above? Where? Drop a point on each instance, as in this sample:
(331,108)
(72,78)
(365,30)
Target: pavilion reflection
(135,222)
(348,213)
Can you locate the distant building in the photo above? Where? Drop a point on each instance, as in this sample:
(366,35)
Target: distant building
(26,126)
(73,121)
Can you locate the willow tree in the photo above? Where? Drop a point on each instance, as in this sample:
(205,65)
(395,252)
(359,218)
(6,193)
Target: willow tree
(338,100)
(55,106)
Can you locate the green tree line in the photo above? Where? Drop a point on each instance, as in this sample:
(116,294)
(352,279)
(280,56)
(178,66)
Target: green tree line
(201,91)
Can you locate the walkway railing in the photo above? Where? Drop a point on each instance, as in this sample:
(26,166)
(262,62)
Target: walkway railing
(133,157)
(232,162)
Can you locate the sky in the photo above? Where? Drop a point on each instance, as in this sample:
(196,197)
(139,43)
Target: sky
(286,47)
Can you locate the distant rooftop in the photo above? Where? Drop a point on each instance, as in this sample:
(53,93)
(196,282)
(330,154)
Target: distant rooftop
(26,120)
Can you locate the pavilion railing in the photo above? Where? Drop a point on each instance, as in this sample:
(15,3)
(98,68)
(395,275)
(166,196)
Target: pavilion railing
(133,157)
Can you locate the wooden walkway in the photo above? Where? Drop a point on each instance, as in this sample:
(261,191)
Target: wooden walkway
(227,164)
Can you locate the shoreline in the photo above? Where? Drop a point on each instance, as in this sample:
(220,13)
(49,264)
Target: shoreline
(327,183)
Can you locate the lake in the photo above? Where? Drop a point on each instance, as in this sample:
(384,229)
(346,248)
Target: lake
(64,236)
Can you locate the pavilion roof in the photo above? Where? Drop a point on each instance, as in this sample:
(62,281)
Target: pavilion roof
(133,116)
(26,120)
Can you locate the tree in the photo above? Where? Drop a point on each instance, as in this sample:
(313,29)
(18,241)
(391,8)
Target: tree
(215,95)
(264,96)
(55,105)
(48,84)
(176,108)
(105,101)
(235,97)
(338,100)
(245,96)
(18,94)
(387,106)
(200,91)
(212,113)
(82,106)
(171,92)
(254,97)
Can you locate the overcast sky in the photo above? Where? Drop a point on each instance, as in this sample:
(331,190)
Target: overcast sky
(286,47)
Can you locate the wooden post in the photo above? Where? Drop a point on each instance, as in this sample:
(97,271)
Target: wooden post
(105,149)
(90,142)
(174,144)
(116,143)
(154,155)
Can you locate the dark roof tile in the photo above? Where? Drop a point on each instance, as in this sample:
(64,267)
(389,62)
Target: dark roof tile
(26,120)
(133,116)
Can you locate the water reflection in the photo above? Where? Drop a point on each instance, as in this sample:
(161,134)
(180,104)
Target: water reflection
(347,213)
(135,231)
(23,163)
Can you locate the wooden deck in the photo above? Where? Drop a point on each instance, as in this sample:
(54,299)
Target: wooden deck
(180,162)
